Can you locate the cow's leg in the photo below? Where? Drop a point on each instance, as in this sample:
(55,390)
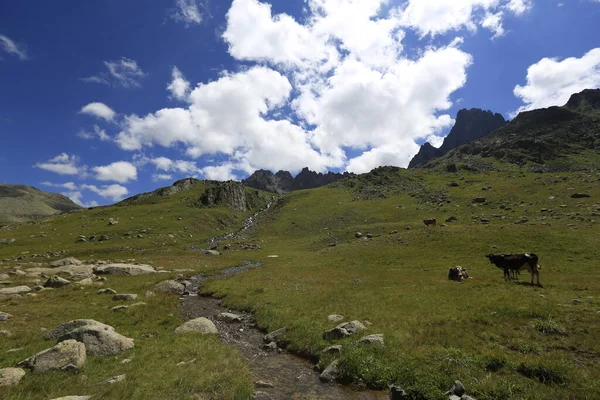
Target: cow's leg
(537,272)
(506,274)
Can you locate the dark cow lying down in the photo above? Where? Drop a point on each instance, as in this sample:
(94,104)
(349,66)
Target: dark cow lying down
(517,262)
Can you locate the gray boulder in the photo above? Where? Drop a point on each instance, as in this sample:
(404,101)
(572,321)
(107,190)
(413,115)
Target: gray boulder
(330,373)
(7,241)
(229,317)
(272,337)
(56,282)
(373,340)
(99,341)
(115,379)
(124,269)
(107,291)
(14,290)
(4,316)
(335,350)
(170,286)
(65,261)
(457,389)
(125,297)
(69,355)
(343,330)
(200,325)
(11,376)
(335,317)
(67,327)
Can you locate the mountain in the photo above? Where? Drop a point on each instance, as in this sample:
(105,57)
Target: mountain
(283,182)
(470,125)
(19,203)
(177,187)
(550,139)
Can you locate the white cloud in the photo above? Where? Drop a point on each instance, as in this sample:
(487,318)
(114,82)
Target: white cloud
(188,11)
(550,81)
(519,7)
(112,192)
(493,22)
(219,173)
(62,164)
(68,185)
(121,171)
(124,72)
(179,86)
(10,47)
(166,164)
(98,133)
(161,177)
(99,110)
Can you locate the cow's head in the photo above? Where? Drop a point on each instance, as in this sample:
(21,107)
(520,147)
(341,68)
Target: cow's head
(495,257)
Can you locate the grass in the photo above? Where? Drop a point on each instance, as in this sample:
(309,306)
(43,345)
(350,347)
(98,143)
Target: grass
(503,340)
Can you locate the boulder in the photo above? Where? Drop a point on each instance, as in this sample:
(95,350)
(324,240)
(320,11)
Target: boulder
(69,355)
(330,373)
(373,340)
(354,327)
(112,221)
(229,317)
(397,393)
(170,286)
(200,325)
(7,241)
(67,327)
(457,389)
(115,379)
(125,297)
(335,317)
(65,261)
(452,219)
(15,290)
(335,350)
(56,282)
(343,330)
(124,269)
(479,200)
(4,316)
(99,341)
(107,291)
(88,282)
(11,376)
(272,337)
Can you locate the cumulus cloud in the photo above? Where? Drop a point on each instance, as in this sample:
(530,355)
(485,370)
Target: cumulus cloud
(161,177)
(179,86)
(188,11)
(68,185)
(551,81)
(63,164)
(99,110)
(124,73)
(121,171)
(98,133)
(12,48)
(181,166)
(112,192)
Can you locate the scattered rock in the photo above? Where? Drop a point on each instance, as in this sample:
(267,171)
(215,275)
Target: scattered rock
(576,301)
(452,219)
(124,269)
(125,297)
(397,393)
(5,333)
(330,373)
(15,290)
(107,291)
(343,330)
(335,350)
(11,376)
(65,261)
(7,241)
(479,200)
(373,340)
(358,235)
(211,253)
(69,355)
(67,327)
(170,286)
(263,385)
(119,308)
(115,379)
(200,325)
(229,317)
(98,340)
(4,316)
(580,195)
(272,337)
(56,282)
(335,317)
(112,221)
(457,389)
(269,346)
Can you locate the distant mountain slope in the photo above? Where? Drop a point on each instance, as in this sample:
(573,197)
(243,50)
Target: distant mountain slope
(550,139)
(19,203)
(283,182)
(470,125)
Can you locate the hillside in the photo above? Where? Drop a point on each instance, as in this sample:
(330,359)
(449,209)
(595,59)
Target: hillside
(470,125)
(553,139)
(20,203)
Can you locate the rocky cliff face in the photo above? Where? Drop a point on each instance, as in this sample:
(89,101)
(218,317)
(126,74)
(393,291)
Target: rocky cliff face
(470,125)
(19,203)
(283,182)
(232,194)
(178,187)
(587,102)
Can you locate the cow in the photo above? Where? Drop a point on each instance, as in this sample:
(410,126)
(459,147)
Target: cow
(517,262)
(430,221)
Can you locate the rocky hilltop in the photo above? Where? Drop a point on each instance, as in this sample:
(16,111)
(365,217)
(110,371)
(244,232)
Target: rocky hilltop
(283,182)
(177,187)
(19,203)
(470,125)
(550,139)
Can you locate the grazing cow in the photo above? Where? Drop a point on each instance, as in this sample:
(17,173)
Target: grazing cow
(515,263)
(430,221)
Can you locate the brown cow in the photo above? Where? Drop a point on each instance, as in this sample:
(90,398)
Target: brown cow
(430,221)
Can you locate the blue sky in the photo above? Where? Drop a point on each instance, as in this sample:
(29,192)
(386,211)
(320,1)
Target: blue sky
(100,100)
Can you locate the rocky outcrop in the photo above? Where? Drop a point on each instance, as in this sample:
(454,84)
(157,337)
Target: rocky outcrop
(177,187)
(232,194)
(124,269)
(283,182)
(470,125)
(19,203)
(587,102)
(99,339)
(69,356)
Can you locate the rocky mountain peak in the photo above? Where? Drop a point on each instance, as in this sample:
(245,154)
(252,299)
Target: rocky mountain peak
(283,182)
(587,101)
